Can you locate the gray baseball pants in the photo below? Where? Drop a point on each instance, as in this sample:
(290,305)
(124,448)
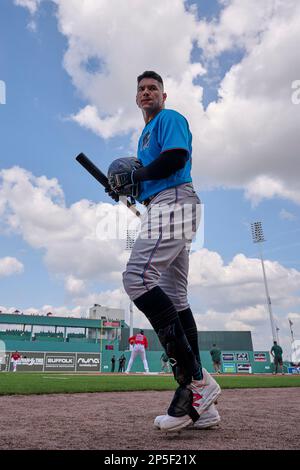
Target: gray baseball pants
(160,255)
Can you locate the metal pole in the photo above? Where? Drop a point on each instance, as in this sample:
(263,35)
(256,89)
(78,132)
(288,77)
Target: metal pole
(101,338)
(292,333)
(131,319)
(131,236)
(292,340)
(268,296)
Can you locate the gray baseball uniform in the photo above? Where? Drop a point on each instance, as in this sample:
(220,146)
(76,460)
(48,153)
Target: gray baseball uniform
(160,255)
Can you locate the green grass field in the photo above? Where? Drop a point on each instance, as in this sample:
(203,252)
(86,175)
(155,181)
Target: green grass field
(43,383)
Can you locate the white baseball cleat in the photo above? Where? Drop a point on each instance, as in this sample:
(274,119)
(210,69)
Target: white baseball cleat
(208,419)
(205,392)
(170,423)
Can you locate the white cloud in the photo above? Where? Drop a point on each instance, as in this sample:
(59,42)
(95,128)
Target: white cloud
(249,137)
(70,238)
(264,187)
(106,127)
(236,325)
(62,311)
(74,286)
(254,319)
(286,215)
(239,283)
(32,5)
(252,315)
(10,266)
(242,24)
(294,316)
(123,49)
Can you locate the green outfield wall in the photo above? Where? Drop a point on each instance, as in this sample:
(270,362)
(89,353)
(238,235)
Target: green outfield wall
(242,362)
(73,360)
(68,351)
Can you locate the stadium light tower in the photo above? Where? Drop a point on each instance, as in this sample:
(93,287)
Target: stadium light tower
(130,239)
(258,237)
(293,342)
(277,334)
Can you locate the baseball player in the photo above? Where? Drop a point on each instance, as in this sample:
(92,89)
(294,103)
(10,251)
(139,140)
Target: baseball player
(216,358)
(156,274)
(139,344)
(276,352)
(15,359)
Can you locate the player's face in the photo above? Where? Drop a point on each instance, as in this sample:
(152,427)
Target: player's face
(150,96)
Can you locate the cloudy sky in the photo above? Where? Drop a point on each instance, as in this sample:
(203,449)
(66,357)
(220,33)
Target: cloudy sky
(67,84)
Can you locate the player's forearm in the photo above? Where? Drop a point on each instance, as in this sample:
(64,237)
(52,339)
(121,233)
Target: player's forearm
(164,166)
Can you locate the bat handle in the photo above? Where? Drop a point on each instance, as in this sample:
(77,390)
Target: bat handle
(133,209)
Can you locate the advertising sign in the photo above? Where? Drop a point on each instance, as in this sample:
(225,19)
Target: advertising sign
(29,362)
(60,362)
(88,362)
(293,370)
(242,356)
(114,324)
(229,368)
(244,368)
(260,357)
(228,357)
(52,361)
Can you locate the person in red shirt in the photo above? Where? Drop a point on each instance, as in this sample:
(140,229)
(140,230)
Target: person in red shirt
(139,344)
(15,358)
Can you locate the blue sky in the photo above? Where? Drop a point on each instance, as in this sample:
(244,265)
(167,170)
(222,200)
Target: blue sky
(39,133)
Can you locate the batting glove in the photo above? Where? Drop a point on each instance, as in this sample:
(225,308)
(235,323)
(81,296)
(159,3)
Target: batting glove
(120,180)
(112,194)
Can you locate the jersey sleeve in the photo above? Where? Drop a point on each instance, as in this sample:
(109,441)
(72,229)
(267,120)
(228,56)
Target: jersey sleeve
(145,342)
(173,132)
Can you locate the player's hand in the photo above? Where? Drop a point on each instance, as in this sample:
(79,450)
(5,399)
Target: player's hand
(120,180)
(112,194)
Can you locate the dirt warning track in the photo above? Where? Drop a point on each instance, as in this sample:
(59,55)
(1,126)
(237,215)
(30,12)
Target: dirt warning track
(251,419)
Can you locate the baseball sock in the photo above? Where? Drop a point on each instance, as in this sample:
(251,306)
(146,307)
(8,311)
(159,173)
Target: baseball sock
(189,325)
(162,315)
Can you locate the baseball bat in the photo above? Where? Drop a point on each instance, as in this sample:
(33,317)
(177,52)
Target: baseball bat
(101,178)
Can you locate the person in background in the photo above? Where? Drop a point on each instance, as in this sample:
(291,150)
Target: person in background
(164,360)
(276,353)
(122,360)
(140,344)
(113,363)
(216,358)
(15,359)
